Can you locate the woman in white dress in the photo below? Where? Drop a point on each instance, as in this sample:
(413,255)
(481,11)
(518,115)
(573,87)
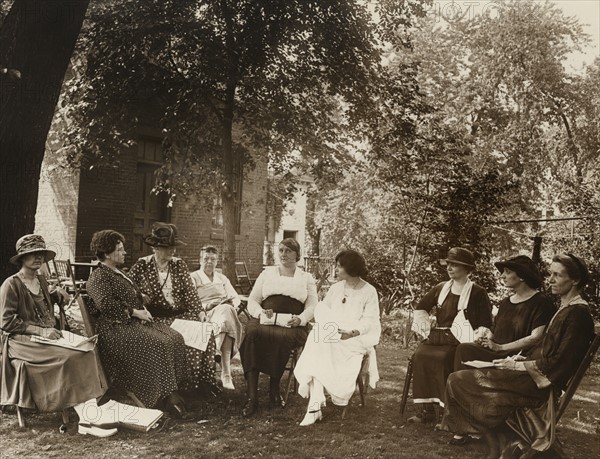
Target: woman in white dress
(283,289)
(346,328)
(221,301)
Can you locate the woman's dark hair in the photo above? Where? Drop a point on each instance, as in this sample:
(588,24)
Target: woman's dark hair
(353,263)
(575,267)
(292,244)
(105,242)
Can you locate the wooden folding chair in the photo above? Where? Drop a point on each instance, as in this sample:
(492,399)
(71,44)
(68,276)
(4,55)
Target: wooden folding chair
(294,355)
(66,279)
(406,388)
(89,315)
(243,307)
(244,281)
(362,382)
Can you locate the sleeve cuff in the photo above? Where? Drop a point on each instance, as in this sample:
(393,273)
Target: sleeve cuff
(538,377)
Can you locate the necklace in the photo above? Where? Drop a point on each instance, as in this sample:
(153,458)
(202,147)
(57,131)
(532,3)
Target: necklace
(351,287)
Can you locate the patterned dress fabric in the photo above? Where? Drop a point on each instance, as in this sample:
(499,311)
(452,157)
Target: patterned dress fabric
(185,304)
(148,359)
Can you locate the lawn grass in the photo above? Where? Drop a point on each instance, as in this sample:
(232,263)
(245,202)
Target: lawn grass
(373,431)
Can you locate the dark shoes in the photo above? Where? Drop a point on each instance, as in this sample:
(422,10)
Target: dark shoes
(250,408)
(175,405)
(276,401)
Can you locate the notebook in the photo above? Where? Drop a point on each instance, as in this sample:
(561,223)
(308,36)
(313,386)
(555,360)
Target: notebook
(278,319)
(70,341)
(117,414)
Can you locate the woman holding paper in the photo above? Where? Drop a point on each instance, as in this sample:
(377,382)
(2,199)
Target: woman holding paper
(521,318)
(460,307)
(140,355)
(281,303)
(346,328)
(169,294)
(220,300)
(521,392)
(37,375)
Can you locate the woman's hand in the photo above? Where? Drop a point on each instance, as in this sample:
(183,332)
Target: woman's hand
(62,294)
(347,334)
(268,312)
(202,316)
(509,363)
(295,321)
(146,299)
(50,333)
(491,345)
(142,314)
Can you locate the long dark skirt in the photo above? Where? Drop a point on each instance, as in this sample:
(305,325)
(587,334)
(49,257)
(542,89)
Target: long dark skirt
(483,399)
(148,359)
(471,351)
(267,348)
(432,364)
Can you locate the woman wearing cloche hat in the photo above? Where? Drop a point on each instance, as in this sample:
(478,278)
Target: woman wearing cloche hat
(460,306)
(37,375)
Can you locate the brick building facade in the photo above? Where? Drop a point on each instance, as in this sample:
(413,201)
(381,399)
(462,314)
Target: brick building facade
(72,205)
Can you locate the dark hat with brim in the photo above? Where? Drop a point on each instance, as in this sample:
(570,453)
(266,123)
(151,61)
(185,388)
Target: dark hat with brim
(525,268)
(32,243)
(163,235)
(460,256)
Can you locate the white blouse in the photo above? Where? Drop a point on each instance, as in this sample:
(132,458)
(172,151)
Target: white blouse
(352,309)
(220,282)
(300,287)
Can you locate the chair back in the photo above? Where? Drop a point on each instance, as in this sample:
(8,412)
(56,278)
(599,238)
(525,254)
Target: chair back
(89,314)
(577,377)
(244,282)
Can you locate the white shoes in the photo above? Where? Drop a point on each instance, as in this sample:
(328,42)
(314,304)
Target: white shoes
(227,382)
(311,417)
(96,431)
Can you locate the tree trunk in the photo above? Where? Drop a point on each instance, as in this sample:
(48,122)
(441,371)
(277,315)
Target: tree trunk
(37,39)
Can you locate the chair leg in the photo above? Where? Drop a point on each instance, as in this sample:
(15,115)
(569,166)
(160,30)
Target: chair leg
(20,417)
(290,378)
(406,388)
(344,411)
(361,389)
(136,400)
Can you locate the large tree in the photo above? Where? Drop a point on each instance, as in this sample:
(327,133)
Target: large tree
(36,43)
(292,81)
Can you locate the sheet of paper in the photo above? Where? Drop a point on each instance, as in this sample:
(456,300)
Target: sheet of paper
(69,340)
(479,364)
(195,334)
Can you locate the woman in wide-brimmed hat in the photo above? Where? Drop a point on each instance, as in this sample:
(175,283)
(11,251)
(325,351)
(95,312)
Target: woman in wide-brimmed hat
(35,375)
(169,293)
(460,306)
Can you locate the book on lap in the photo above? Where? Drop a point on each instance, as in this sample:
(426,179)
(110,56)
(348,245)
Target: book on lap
(281,320)
(69,340)
(195,334)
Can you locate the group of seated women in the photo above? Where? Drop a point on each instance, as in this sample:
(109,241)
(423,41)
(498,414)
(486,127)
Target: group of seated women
(533,350)
(529,352)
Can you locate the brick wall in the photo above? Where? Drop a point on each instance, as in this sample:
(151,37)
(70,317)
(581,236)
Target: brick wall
(194,223)
(107,199)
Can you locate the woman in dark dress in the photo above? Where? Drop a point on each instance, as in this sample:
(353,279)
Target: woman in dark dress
(480,401)
(521,319)
(266,348)
(461,306)
(169,294)
(139,355)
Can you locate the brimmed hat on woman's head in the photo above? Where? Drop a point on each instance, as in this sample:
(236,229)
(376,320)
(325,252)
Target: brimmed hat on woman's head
(525,268)
(31,243)
(460,256)
(163,235)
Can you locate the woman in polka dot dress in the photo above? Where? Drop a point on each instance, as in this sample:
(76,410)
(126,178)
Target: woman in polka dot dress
(139,355)
(169,293)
